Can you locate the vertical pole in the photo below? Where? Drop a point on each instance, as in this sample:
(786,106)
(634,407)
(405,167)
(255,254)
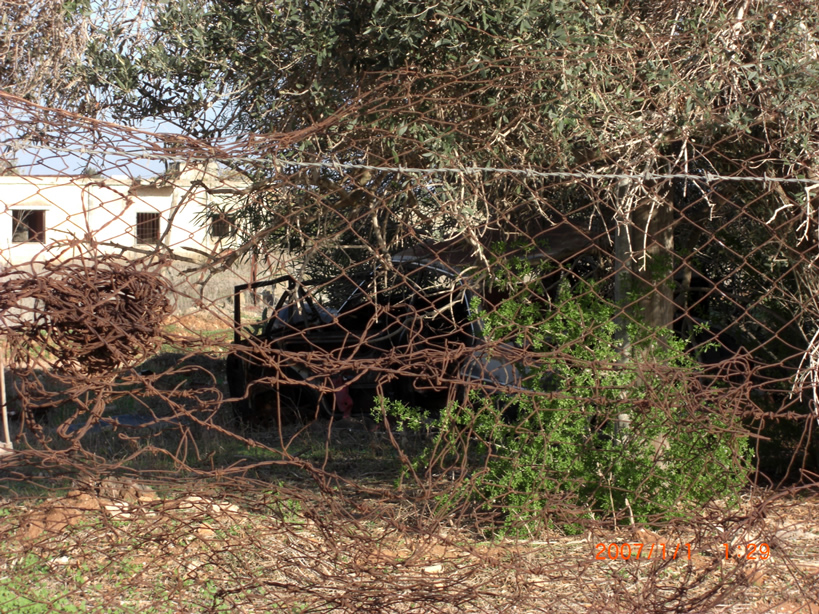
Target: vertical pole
(253,272)
(6,445)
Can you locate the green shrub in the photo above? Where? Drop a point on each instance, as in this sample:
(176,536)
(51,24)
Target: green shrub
(595,435)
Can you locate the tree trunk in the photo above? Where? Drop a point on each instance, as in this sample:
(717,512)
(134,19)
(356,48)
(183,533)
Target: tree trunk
(652,242)
(644,275)
(644,266)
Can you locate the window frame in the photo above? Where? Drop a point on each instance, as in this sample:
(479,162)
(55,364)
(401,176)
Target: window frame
(21,222)
(216,221)
(150,220)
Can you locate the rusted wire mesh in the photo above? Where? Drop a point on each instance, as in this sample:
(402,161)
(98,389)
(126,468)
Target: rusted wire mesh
(84,317)
(260,372)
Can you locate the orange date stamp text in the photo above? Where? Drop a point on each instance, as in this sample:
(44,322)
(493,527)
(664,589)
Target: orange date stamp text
(637,550)
(628,550)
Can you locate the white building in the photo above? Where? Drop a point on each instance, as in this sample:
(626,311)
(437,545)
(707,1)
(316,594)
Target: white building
(44,217)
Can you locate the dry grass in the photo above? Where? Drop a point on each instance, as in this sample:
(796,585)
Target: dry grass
(118,546)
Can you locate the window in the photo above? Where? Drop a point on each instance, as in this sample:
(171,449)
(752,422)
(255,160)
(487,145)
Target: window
(221,226)
(28,226)
(147,228)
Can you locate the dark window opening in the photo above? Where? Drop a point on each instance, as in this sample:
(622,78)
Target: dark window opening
(221,226)
(147,228)
(28,226)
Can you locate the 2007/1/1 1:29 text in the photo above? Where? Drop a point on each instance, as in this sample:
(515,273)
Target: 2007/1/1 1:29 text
(752,552)
(626,551)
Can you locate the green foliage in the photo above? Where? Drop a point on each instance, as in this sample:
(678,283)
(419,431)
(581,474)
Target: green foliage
(22,598)
(601,435)
(540,85)
(281,66)
(405,417)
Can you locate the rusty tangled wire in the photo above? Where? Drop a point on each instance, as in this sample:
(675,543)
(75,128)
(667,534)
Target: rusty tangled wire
(84,316)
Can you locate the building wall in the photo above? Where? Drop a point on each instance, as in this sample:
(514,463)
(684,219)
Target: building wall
(85,214)
(82,213)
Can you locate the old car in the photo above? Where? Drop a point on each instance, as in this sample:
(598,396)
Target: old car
(408,334)
(407,330)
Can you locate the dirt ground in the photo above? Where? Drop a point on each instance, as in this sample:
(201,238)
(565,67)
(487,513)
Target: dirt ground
(121,546)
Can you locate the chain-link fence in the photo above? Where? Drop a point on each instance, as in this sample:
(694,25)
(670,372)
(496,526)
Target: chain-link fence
(244,376)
